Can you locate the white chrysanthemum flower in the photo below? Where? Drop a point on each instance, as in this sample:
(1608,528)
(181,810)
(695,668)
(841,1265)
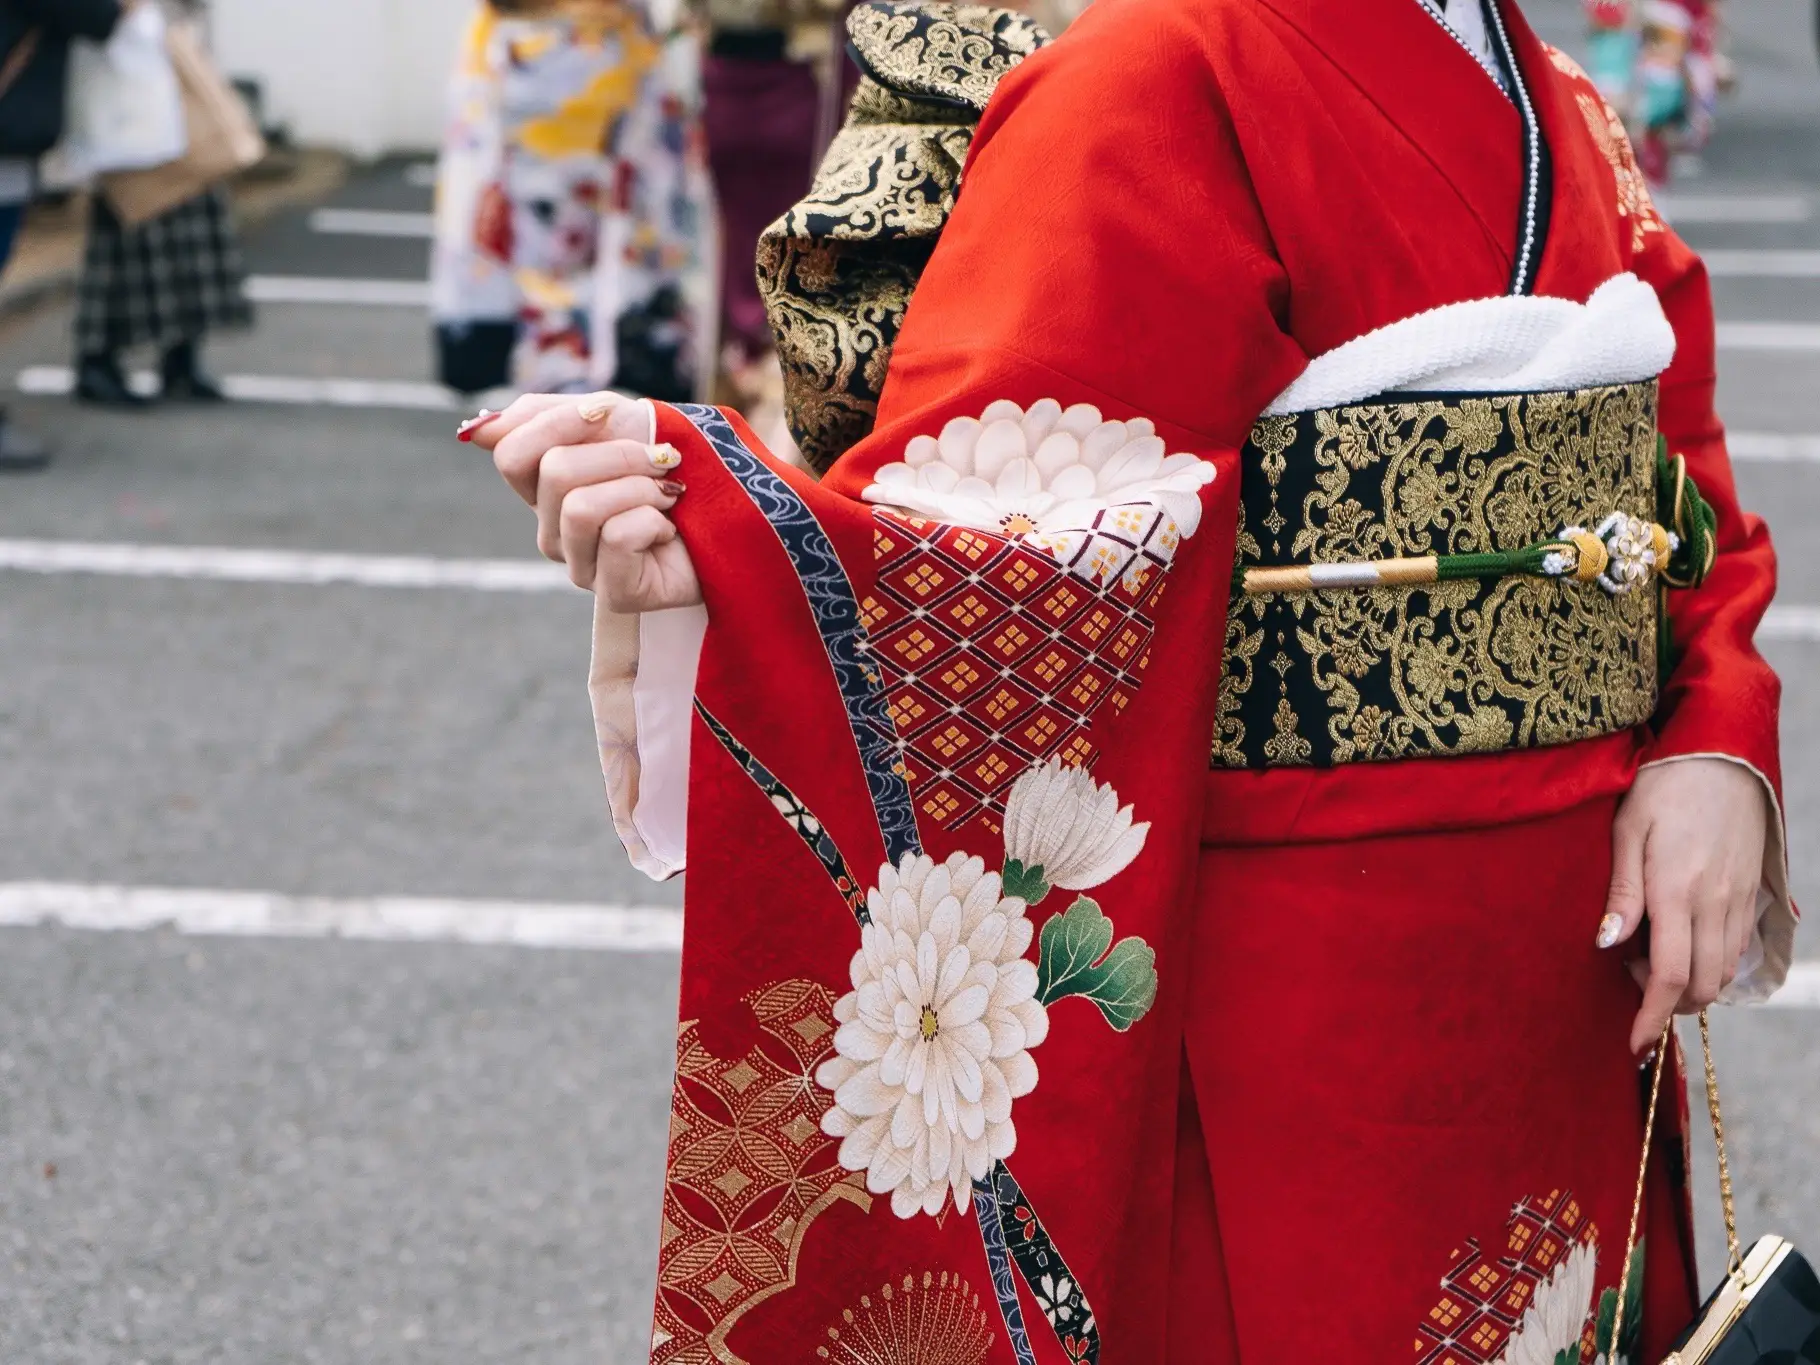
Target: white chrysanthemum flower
(1556,1318)
(1069,481)
(1059,819)
(934,1040)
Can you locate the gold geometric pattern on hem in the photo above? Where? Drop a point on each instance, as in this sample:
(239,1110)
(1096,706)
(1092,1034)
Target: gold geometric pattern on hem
(749,1172)
(920,1320)
(1460,667)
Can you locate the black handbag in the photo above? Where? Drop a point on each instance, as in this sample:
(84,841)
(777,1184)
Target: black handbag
(1766,1311)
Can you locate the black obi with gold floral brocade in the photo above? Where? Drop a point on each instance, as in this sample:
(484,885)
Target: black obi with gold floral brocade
(1468,665)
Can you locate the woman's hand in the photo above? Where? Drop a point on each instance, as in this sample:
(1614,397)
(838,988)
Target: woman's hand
(1687,849)
(602,493)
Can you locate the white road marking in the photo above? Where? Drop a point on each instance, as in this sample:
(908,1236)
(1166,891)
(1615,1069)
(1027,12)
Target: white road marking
(329,289)
(1734,208)
(1790,623)
(384,919)
(1762,265)
(411,919)
(1772,446)
(53,381)
(373,223)
(1803,989)
(294,567)
(1769,336)
(304,568)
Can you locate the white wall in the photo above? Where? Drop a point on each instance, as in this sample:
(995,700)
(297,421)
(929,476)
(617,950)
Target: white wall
(364,76)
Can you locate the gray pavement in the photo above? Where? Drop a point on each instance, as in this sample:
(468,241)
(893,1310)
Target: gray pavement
(257,1151)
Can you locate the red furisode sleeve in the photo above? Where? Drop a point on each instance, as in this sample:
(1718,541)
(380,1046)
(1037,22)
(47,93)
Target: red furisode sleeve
(1106,247)
(947,765)
(1723,697)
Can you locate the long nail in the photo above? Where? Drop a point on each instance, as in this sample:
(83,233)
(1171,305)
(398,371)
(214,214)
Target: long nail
(465,432)
(598,410)
(665,456)
(1609,929)
(670,488)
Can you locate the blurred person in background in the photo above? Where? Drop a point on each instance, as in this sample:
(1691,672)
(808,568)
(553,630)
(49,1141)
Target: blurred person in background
(773,85)
(1660,65)
(163,284)
(34,70)
(570,208)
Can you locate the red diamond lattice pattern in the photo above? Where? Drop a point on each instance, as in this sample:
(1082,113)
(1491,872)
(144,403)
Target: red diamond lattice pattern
(994,657)
(1484,1296)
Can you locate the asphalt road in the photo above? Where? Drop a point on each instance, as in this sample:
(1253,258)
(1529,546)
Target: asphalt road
(266,1150)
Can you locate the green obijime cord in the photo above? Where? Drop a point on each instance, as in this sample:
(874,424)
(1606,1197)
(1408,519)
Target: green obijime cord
(1622,554)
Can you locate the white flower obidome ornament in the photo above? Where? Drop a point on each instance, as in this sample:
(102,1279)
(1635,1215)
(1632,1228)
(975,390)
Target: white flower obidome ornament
(1556,1319)
(1102,497)
(934,1040)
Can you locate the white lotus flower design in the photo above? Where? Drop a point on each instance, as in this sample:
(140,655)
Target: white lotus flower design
(1059,820)
(1557,1315)
(1093,493)
(934,1040)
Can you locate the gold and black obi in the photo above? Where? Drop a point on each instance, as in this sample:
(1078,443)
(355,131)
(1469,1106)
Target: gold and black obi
(1452,574)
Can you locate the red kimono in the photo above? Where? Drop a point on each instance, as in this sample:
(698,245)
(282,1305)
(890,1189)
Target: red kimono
(1033,1038)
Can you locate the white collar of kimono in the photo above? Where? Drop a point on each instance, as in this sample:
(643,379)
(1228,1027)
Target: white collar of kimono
(1511,344)
(1467,20)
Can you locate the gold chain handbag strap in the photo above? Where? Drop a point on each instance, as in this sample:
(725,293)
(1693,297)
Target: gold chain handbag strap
(1734,1263)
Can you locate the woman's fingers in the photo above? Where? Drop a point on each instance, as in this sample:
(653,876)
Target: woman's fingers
(565,469)
(586,513)
(524,433)
(644,565)
(1706,971)
(1624,902)
(1670,967)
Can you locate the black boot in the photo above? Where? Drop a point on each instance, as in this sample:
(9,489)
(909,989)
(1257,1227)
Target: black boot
(99,380)
(19,450)
(184,379)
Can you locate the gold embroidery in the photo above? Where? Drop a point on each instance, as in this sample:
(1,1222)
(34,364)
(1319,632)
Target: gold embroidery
(1466,666)
(953,53)
(1635,206)
(749,1173)
(837,271)
(931,1320)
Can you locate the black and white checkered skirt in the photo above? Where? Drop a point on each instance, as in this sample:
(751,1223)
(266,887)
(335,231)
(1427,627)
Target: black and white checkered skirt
(169,280)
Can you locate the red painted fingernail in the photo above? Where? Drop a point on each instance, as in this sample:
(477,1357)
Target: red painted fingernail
(465,432)
(672,488)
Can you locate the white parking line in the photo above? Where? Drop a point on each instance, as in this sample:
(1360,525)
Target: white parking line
(52,381)
(293,567)
(373,223)
(410,919)
(329,289)
(1772,446)
(385,919)
(1790,623)
(1803,989)
(1734,208)
(1762,265)
(1769,336)
(302,568)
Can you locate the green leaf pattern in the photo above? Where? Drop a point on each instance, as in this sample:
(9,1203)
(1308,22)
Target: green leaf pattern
(1079,958)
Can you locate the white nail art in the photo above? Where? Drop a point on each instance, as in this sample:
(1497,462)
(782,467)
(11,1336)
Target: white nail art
(666,456)
(598,410)
(1609,929)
